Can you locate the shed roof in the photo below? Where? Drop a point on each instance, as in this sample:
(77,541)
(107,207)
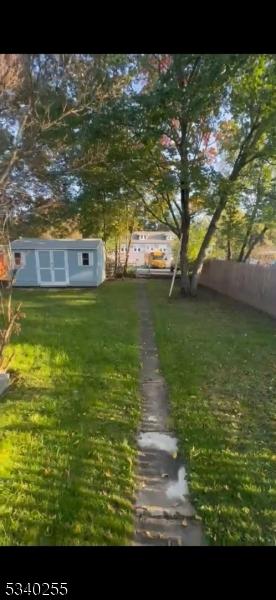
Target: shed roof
(53,244)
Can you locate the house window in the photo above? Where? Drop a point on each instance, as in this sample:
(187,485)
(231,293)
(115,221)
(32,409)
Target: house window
(18,259)
(85,259)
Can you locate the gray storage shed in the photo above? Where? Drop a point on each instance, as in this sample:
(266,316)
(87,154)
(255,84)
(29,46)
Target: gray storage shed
(59,263)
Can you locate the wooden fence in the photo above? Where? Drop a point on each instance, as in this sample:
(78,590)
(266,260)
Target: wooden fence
(252,284)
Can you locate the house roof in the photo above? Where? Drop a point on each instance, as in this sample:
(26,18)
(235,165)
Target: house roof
(53,244)
(152,236)
(150,241)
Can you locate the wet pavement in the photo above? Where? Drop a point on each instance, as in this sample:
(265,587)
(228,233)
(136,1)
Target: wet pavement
(164,513)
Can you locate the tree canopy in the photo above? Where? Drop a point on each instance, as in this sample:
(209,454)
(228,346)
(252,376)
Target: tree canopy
(98,143)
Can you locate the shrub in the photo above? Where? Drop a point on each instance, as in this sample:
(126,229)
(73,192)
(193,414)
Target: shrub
(131,273)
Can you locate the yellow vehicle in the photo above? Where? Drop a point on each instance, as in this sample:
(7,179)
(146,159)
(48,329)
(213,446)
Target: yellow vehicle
(156,260)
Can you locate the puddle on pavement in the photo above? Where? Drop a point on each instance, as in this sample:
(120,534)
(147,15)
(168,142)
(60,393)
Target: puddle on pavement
(159,441)
(177,489)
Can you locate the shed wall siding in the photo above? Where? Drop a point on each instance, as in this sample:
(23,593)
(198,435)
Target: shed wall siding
(27,275)
(79,276)
(82,276)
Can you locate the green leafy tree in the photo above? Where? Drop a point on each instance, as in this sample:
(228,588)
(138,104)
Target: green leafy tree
(247,139)
(230,233)
(191,149)
(173,120)
(188,133)
(46,101)
(249,216)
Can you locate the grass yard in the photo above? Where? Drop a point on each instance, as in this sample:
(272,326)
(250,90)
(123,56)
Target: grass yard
(219,358)
(67,445)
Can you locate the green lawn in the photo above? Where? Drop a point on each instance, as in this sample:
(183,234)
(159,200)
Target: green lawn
(219,359)
(67,445)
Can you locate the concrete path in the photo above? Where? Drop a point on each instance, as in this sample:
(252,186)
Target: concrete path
(164,513)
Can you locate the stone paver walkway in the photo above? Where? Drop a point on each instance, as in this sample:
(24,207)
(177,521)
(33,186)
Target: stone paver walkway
(164,513)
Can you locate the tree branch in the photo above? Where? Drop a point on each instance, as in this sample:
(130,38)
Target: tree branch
(14,157)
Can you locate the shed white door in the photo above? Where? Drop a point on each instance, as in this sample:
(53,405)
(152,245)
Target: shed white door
(52,267)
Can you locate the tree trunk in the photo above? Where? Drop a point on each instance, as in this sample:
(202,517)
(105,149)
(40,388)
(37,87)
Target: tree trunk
(242,250)
(185,230)
(127,251)
(185,216)
(247,235)
(257,240)
(229,250)
(119,252)
(194,283)
(238,166)
(116,258)
(205,244)
(185,280)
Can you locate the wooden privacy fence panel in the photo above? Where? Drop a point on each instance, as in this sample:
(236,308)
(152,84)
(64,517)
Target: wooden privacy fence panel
(253,284)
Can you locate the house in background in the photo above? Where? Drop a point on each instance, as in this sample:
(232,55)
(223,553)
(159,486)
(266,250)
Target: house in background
(144,242)
(59,263)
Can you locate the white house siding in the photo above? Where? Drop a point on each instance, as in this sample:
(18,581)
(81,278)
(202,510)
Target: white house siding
(144,242)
